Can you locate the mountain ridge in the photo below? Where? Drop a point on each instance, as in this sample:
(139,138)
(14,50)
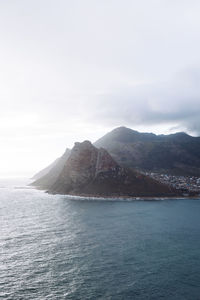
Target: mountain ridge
(90,171)
(177,154)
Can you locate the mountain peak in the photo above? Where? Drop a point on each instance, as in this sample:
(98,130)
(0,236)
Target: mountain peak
(86,142)
(93,172)
(177,153)
(123,135)
(123,129)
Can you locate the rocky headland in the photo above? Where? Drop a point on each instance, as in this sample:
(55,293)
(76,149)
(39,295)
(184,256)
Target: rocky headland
(91,171)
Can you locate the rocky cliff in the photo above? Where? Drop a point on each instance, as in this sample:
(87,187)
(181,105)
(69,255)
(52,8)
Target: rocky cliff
(93,172)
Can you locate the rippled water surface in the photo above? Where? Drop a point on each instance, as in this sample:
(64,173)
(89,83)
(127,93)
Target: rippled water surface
(56,247)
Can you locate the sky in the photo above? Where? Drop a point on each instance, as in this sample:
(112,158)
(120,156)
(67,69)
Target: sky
(74,70)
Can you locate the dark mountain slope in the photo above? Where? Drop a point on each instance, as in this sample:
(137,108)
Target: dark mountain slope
(174,154)
(93,172)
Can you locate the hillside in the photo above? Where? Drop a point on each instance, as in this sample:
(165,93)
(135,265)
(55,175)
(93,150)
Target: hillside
(93,172)
(177,154)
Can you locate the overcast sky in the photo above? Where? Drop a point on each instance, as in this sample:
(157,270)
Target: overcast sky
(72,70)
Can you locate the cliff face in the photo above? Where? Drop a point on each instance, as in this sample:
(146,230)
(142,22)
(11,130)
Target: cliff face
(93,172)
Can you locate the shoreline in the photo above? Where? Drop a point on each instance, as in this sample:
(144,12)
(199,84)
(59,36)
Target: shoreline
(149,198)
(97,197)
(124,198)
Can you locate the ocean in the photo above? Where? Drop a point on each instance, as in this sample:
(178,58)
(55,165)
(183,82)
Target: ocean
(60,247)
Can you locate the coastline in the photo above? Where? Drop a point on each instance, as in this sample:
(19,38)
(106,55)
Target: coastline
(113,197)
(120,198)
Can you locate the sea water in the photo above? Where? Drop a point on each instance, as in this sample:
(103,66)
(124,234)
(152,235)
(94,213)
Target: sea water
(60,247)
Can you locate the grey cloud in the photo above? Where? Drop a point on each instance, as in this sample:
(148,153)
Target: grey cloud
(176,101)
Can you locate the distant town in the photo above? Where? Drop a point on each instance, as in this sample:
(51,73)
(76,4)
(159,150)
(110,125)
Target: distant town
(188,185)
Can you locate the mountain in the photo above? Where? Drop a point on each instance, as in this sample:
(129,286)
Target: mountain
(177,154)
(90,171)
(53,171)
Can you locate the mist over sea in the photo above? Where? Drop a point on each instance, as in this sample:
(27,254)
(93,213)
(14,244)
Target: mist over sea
(56,247)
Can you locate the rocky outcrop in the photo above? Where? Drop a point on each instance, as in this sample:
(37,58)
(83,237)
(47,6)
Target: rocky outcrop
(91,171)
